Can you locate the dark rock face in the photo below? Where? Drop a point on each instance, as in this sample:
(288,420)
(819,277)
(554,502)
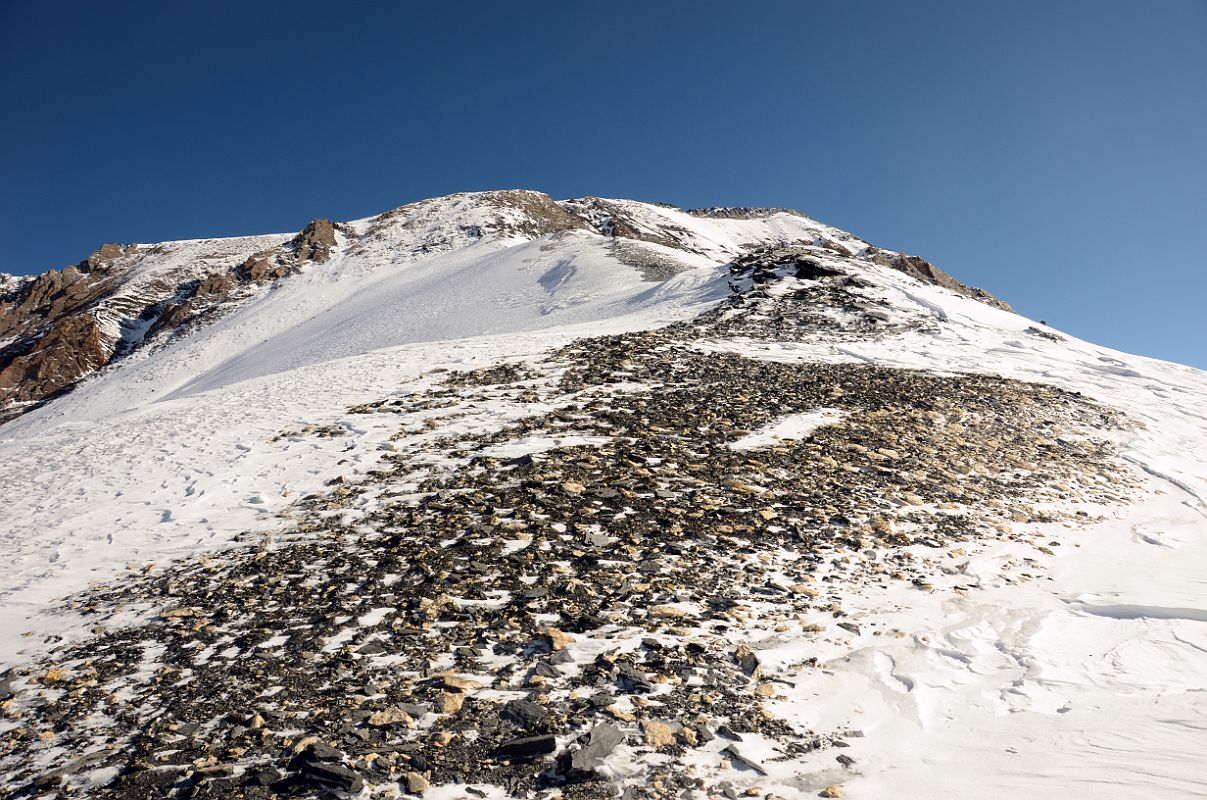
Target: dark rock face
(72,347)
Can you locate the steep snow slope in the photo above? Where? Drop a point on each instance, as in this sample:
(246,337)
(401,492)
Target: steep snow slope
(1073,668)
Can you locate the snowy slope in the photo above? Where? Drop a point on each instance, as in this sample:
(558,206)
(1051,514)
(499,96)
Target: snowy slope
(1075,669)
(1088,680)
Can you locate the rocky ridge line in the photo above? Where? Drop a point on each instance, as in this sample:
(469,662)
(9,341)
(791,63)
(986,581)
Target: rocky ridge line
(65,325)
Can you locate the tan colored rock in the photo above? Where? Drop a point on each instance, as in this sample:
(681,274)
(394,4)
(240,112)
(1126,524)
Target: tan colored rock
(558,640)
(450,702)
(390,716)
(416,783)
(834,790)
(459,684)
(657,734)
(304,742)
(621,713)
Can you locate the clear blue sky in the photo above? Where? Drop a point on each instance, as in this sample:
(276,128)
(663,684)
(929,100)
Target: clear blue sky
(1054,153)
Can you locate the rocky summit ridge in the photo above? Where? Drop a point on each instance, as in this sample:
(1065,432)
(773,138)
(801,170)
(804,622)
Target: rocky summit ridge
(62,326)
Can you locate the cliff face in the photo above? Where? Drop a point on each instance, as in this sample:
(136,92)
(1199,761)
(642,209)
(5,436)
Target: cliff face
(62,326)
(50,338)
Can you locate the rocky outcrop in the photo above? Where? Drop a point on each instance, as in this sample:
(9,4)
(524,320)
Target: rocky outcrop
(313,244)
(741,212)
(207,293)
(73,347)
(62,326)
(923,270)
(49,339)
(613,219)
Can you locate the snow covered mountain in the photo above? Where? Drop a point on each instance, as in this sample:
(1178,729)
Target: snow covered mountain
(494,495)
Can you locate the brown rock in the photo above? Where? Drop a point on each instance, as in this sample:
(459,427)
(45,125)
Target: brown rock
(450,702)
(657,734)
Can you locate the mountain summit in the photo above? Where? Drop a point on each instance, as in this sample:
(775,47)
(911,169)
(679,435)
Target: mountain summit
(498,496)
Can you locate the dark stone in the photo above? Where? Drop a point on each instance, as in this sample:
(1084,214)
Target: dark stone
(335,776)
(632,679)
(725,732)
(264,776)
(322,752)
(371,649)
(736,755)
(525,714)
(526,748)
(597,744)
(811,269)
(543,669)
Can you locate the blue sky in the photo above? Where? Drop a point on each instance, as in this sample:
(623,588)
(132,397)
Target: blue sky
(1054,153)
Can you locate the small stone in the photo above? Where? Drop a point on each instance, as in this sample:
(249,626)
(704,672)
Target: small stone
(450,702)
(526,748)
(667,612)
(621,713)
(834,790)
(599,742)
(303,743)
(459,684)
(558,640)
(573,487)
(748,661)
(416,783)
(735,754)
(657,734)
(390,716)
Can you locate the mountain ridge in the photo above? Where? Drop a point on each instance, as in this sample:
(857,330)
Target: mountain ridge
(62,326)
